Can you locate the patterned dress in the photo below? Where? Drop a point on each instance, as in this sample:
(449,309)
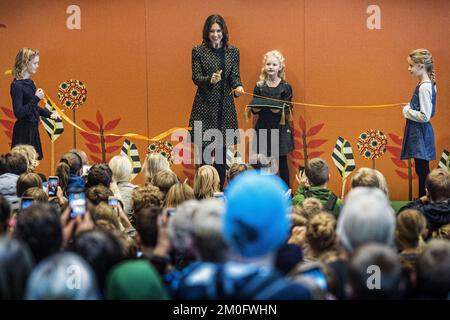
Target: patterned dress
(213,103)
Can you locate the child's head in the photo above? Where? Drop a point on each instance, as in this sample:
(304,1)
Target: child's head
(321,232)
(26,181)
(154,163)
(38,194)
(74,161)
(145,197)
(317,172)
(421,60)
(29,152)
(83,156)
(410,229)
(437,185)
(178,194)
(237,168)
(164,180)
(311,206)
(372,178)
(27,60)
(299,221)
(433,270)
(206,182)
(273,62)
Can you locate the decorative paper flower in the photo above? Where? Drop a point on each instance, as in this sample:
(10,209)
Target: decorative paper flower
(72,93)
(162,147)
(372,144)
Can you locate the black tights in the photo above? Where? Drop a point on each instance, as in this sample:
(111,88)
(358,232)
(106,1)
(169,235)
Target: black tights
(422,169)
(284,169)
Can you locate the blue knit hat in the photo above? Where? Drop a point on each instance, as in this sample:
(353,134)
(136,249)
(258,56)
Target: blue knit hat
(256,214)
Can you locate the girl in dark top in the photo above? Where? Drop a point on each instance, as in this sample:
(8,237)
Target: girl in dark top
(215,72)
(25,99)
(272,84)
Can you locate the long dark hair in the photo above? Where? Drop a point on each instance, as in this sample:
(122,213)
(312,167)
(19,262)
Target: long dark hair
(215,18)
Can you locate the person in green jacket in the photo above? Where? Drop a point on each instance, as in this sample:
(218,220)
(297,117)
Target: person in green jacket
(313,183)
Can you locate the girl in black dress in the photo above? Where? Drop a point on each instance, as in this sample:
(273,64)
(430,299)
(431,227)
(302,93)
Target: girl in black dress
(272,84)
(25,99)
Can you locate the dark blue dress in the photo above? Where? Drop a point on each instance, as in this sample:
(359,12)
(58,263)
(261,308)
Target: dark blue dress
(27,112)
(418,140)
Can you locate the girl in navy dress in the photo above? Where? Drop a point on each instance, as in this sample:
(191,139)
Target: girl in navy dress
(25,99)
(272,84)
(418,140)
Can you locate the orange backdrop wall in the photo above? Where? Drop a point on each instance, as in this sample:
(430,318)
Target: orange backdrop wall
(135,59)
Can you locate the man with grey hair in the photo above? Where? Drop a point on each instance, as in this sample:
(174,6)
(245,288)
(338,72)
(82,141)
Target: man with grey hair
(366,217)
(209,244)
(180,235)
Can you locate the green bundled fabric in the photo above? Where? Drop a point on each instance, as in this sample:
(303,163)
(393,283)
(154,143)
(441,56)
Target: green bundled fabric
(259,103)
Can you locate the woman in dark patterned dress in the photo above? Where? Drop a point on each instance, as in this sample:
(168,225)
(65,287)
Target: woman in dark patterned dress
(215,72)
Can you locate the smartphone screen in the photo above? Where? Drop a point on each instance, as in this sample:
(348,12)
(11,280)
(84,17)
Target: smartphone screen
(77,202)
(52,185)
(25,202)
(113,202)
(44,185)
(301,170)
(318,276)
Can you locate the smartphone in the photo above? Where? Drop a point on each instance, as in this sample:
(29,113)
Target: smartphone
(301,170)
(113,202)
(44,185)
(53,182)
(25,202)
(318,276)
(77,203)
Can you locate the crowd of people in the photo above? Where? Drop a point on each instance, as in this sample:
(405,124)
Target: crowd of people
(166,239)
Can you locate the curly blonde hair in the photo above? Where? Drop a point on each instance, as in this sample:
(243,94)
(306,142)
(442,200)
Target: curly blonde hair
(146,196)
(23,59)
(272,54)
(423,57)
(321,232)
(30,154)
